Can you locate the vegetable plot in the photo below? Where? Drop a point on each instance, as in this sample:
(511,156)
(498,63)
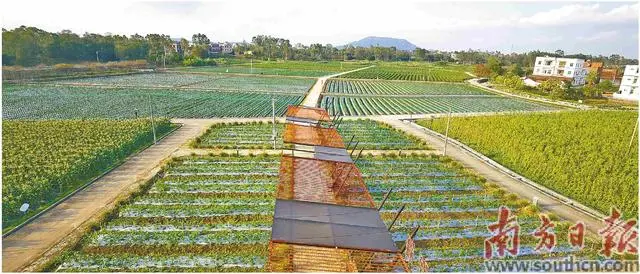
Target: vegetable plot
(395,105)
(288,68)
(584,155)
(412,71)
(198,81)
(207,214)
(72,102)
(365,97)
(369,133)
(453,208)
(222,222)
(366,87)
(44,160)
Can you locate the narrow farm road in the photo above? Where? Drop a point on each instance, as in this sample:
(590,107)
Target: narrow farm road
(474,82)
(35,239)
(313,97)
(493,174)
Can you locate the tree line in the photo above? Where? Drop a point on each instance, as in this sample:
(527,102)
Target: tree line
(29,46)
(510,77)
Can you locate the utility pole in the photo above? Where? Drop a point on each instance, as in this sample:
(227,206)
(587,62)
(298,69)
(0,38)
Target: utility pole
(446,139)
(164,58)
(153,125)
(273,121)
(251,72)
(633,135)
(97,56)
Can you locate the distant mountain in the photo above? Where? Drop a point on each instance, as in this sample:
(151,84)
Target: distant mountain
(400,44)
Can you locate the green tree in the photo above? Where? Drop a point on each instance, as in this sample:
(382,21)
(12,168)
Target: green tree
(495,65)
(420,54)
(481,70)
(516,69)
(553,87)
(186,48)
(200,39)
(592,78)
(199,51)
(606,86)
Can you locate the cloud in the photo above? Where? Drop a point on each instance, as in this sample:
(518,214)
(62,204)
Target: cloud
(547,39)
(603,35)
(578,14)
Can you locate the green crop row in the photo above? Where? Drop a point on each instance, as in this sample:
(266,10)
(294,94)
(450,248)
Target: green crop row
(368,133)
(219,226)
(411,72)
(588,155)
(74,102)
(394,105)
(44,160)
(367,87)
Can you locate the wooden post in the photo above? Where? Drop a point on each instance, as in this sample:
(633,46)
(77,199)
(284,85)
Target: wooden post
(446,139)
(385,199)
(635,129)
(413,234)
(354,148)
(396,217)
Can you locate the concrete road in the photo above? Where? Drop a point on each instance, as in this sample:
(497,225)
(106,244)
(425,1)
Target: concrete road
(313,97)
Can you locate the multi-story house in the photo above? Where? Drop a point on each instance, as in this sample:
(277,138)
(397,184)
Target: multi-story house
(567,69)
(629,84)
(227,47)
(176,46)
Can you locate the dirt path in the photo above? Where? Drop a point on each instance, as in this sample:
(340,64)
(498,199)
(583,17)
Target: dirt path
(497,176)
(34,239)
(313,97)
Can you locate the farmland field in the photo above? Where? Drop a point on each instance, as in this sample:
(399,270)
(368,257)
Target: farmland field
(44,160)
(367,87)
(369,97)
(206,214)
(73,102)
(583,155)
(412,72)
(288,68)
(453,209)
(199,82)
(214,213)
(394,105)
(369,134)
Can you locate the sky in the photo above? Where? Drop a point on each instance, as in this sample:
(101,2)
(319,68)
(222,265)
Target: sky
(587,27)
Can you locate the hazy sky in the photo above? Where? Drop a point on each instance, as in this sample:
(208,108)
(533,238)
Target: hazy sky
(587,27)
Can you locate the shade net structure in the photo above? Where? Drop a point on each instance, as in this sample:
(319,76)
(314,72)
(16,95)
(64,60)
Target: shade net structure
(325,219)
(328,225)
(284,257)
(322,181)
(318,152)
(308,113)
(314,136)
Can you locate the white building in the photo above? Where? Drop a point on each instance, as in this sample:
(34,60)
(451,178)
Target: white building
(629,85)
(227,47)
(571,69)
